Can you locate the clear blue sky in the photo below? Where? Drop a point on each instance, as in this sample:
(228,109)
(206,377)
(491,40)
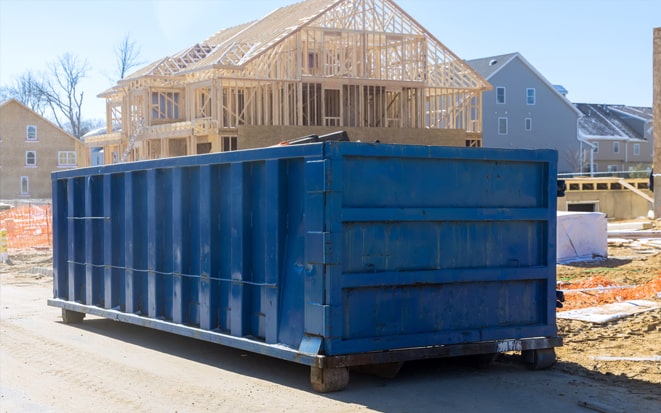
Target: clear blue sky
(599,50)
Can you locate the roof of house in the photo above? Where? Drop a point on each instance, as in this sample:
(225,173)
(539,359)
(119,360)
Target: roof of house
(489,66)
(8,102)
(236,46)
(645,114)
(601,121)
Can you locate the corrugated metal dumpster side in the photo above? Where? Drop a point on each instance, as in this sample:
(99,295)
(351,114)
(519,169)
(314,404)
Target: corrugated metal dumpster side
(433,246)
(212,242)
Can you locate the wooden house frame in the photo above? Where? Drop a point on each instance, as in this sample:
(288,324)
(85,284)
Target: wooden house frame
(364,66)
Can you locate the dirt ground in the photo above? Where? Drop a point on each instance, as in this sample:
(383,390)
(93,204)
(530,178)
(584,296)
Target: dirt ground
(48,366)
(637,336)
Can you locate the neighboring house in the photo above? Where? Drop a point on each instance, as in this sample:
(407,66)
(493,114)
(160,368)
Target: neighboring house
(620,137)
(525,111)
(317,66)
(31,147)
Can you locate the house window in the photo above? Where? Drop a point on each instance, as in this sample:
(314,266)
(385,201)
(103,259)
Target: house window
(502,126)
(612,168)
(500,95)
(66,158)
(636,149)
(616,147)
(30,158)
(25,185)
(530,96)
(596,147)
(229,143)
(31,133)
(528,124)
(165,105)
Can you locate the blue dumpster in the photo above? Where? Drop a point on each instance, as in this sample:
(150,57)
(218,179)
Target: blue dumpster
(333,255)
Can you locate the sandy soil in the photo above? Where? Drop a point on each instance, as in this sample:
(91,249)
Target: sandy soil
(104,365)
(637,336)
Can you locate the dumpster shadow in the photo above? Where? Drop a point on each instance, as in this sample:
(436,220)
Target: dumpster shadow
(644,388)
(508,384)
(421,386)
(223,357)
(610,262)
(265,367)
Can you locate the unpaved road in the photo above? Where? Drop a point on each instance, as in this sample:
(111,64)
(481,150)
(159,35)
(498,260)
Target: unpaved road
(107,366)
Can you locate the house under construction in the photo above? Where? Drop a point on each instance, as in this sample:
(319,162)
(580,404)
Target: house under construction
(362,66)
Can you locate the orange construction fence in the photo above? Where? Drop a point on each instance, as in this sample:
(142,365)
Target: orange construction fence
(598,290)
(28,226)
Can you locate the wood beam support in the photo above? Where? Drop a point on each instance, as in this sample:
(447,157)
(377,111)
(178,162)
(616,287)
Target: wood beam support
(657,121)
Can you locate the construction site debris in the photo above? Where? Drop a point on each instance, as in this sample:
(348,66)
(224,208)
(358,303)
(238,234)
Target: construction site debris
(651,234)
(609,312)
(598,290)
(610,358)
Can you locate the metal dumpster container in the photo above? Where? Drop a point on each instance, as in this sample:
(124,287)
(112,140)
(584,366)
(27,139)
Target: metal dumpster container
(333,255)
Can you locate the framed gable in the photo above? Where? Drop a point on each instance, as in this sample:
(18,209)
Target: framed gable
(313,64)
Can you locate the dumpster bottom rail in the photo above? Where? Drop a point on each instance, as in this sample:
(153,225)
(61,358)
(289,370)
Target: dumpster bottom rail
(242,343)
(329,373)
(451,350)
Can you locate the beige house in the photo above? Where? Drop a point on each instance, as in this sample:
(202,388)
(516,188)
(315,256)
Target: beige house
(317,66)
(31,147)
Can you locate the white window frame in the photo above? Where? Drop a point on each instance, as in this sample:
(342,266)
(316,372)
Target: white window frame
(27,157)
(69,158)
(24,182)
(527,124)
(503,119)
(616,147)
(531,98)
(29,136)
(636,149)
(499,88)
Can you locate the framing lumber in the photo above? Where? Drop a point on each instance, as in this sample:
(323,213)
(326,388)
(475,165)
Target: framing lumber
(317,63)
(657,120)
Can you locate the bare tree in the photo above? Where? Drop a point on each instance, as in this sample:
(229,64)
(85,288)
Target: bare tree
(27,90)
(60,91)
(91,124)
(127,54)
